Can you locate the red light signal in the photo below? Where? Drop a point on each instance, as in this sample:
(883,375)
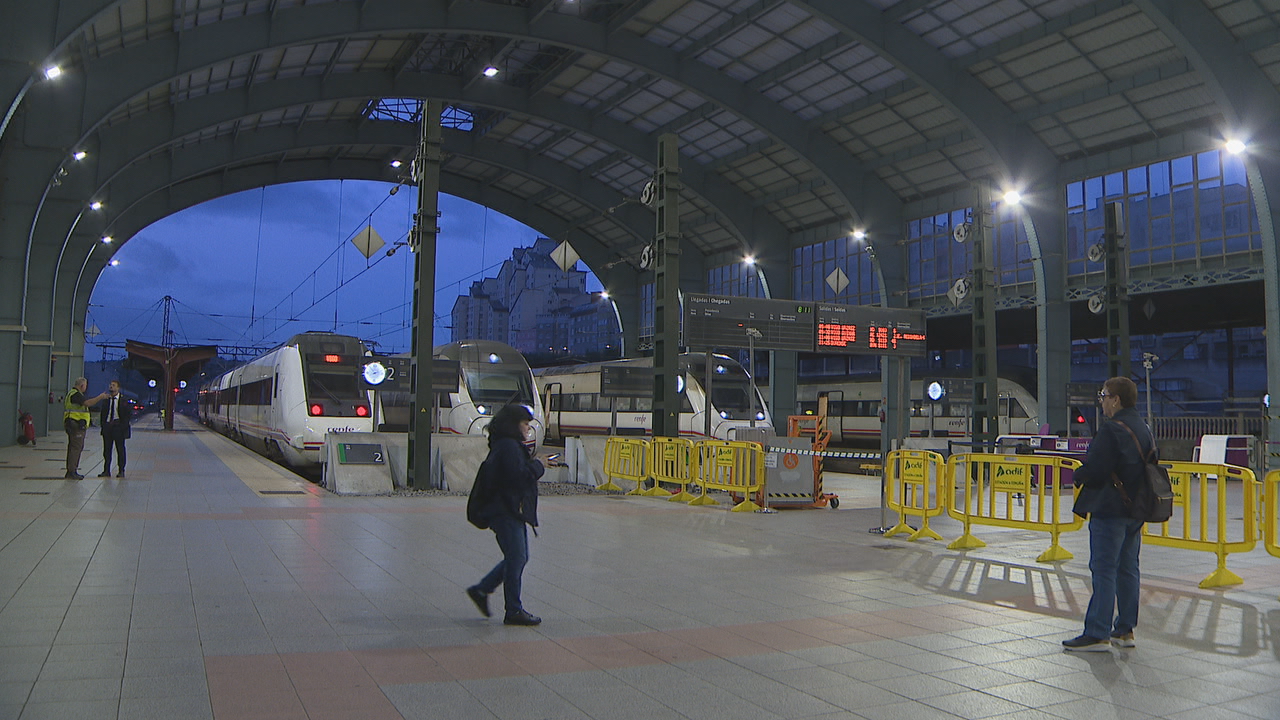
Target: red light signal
(1080,419)
(333,358)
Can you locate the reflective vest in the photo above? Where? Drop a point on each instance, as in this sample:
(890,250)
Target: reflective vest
(74,411)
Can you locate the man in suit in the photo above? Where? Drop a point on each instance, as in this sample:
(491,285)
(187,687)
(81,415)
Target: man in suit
(117,413)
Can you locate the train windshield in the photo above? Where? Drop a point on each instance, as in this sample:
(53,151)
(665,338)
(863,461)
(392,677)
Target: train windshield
(496,385)
(340,385)
(730,387)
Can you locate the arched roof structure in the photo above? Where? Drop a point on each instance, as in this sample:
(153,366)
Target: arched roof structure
(799,120)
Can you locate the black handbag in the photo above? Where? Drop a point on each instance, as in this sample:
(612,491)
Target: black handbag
(1152,501)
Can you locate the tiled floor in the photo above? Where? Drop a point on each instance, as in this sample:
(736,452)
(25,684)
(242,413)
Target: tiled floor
(183,593)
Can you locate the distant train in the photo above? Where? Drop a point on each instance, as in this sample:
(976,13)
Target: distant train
(853,409)
(282,403)
(575,406)
(492,374)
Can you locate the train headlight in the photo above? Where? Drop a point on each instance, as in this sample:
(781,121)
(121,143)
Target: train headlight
(759,416)
(494,359)
(724,415)
(720,370)
(482,410)
(679,383)
(375,373)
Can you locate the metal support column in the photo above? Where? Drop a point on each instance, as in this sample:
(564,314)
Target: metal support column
(666,298)
(986,393)
(1116,292)
(426,225)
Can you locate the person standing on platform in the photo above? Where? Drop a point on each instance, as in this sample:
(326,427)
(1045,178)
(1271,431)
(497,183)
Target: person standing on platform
(75,420)
(117,414)
(1115,539)
(511,505)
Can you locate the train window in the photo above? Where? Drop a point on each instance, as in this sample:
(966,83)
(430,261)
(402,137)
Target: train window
(621,404)
(1016,410)
(332,385)
(642,404)
(685,405)
(446,400)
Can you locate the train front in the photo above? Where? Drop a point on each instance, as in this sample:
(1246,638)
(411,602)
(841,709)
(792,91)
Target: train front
(333,398)
(730,407)
(494,374)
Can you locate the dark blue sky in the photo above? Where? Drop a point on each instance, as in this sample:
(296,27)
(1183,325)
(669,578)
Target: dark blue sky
(207,257)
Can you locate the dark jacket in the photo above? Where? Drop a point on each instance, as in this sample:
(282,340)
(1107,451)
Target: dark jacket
(514,477)
(1112,451)
(121,427)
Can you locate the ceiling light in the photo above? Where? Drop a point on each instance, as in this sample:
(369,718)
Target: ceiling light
(80,155)
(1235,146)
(859,235)
(396,163)
(604,295)
(115,263)
(490,71)
(95,205)
(52,72)
(1013,197)
(750,260)
(107,239)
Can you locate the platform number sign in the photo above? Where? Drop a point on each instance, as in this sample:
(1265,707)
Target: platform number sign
(361,454)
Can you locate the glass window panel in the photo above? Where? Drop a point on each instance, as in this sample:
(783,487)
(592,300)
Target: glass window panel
(1183,171)
(1211,214)
(1184,252)
(1239,243)
(1207,165)
(1161,232)
(1210,248)
(1137,221)
(1161,254)
(1092,193)
(1184,209)
(1233,172)
(1159,174)
(1075,194)
(1113,185)
(1140,257)
(1137,180)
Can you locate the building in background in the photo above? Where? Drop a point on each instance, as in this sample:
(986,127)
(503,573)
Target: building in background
(544,312)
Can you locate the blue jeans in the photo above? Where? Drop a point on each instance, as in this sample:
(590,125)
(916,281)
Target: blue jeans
(513,539)
(1114,543)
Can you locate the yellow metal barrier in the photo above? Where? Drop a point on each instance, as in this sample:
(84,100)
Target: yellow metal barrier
(915,481)
(624,458)
(993,487)
(672,460)
(1199,519)
(730,465)
(1271,513)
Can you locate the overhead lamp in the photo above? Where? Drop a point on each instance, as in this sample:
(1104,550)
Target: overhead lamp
(490,71)
(52,72)
(79,155)
(750,259)
(604,295)
(1013,197)
(114,262)
(396,163)
(859,234)
(1235,146)
(107,239)
(95,205)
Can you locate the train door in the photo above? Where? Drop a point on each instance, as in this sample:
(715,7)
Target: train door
(835,415)
(551,403)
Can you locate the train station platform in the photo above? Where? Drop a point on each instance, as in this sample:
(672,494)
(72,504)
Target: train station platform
(213,584)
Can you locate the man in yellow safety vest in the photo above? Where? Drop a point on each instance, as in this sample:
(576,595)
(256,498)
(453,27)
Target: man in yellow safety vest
(75,420)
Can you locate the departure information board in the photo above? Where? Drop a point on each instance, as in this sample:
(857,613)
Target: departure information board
(718,322)
(714,321)
(861,330)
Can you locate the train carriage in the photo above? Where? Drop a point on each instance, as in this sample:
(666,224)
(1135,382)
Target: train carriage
(283,403)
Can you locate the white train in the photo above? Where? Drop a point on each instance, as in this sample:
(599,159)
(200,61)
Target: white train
(283,403)
(853,409)
(575,407)
(491,374)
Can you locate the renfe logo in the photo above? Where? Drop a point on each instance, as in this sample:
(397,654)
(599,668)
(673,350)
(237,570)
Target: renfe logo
(342,429)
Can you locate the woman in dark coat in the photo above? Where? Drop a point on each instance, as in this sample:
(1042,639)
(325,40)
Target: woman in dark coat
(511,503)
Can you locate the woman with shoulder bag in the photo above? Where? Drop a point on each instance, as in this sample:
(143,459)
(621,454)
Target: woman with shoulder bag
(511,504)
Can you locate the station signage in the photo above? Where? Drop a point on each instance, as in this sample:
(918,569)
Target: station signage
(714,321)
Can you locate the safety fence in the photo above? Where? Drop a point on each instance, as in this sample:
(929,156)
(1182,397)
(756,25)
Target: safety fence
(673,461)
(1018,491)
(916,486)
(733,466)
(1271,512)
(1201,507)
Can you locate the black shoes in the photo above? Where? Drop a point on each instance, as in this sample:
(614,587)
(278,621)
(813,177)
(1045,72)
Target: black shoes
(481,599)
(522,617)
(120,474)
(105,473)
(1084,643)
(73,476)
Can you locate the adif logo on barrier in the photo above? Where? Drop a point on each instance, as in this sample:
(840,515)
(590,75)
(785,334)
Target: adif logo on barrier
(913,471)
(1010,478)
